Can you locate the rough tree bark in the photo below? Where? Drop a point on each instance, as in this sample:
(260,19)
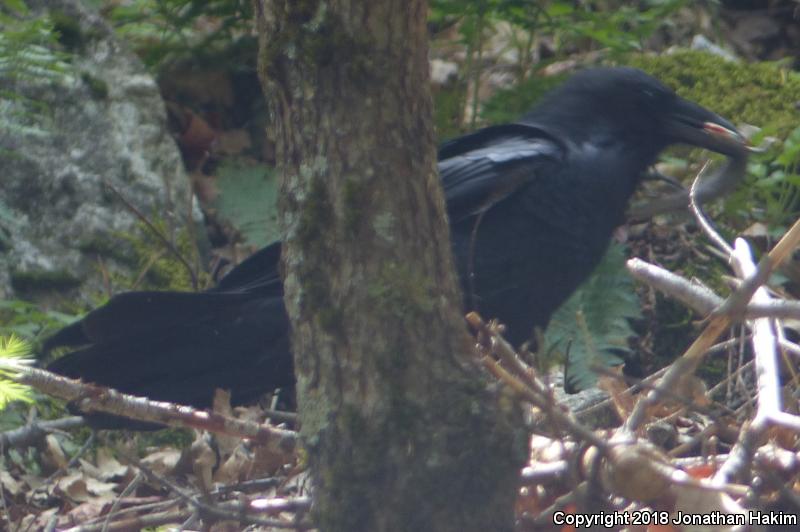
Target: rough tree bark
(403,431)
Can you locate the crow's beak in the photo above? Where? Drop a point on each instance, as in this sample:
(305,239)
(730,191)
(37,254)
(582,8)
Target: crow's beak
(690,123)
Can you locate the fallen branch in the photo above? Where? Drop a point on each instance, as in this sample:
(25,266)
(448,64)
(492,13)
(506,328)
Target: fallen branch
(731,310)
(702,300)
(93,398)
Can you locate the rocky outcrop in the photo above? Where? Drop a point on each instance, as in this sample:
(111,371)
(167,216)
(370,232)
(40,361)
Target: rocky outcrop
(101,132)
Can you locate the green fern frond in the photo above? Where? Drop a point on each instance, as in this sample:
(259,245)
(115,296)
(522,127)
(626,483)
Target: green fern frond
(14,358)
(592,327)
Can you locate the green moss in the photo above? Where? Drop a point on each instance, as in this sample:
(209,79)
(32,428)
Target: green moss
(448,104)
(401,291)
(163,270)
(762,94)
(508,104)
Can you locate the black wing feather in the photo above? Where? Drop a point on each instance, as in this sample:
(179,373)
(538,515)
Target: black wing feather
(481,169)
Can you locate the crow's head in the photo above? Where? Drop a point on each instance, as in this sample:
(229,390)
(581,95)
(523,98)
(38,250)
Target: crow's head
(625,104)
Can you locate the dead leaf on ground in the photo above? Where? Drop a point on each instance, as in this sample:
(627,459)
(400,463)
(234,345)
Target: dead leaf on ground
(162,462)
(9,484)
(204,460)
(53,457)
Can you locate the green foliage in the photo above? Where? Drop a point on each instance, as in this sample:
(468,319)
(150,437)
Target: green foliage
(508,104)
(25,46)
(618,26)
(762,94)
(161,269)
(448,104)
(29,321)
(248,200)
(162,30)
(592,326)
(27,55)
(14,358)
(771,192)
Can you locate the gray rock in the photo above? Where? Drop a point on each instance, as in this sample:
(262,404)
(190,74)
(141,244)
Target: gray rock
(105,125)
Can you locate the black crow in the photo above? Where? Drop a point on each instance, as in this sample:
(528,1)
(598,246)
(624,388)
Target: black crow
(532,206)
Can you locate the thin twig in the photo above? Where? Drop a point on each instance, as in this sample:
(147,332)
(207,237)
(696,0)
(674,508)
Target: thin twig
(130,488)
(158,234)
(719,322)
(702,221)
(523,381)
(230,510)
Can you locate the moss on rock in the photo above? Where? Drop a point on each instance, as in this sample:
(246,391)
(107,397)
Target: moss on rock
(761,94)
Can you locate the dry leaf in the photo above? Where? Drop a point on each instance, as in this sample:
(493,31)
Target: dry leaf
(110,468)
(162,462)
(9,484)
(73,486)
(37,521)
(53,457)
(222,405)
(267,462)
(80,488)
(203,460)
(101,489)
(236,468)
(88,510)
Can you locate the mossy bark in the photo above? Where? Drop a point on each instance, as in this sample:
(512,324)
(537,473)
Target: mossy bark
(402,428)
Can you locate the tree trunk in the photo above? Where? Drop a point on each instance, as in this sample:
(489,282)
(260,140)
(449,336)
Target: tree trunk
(403,430)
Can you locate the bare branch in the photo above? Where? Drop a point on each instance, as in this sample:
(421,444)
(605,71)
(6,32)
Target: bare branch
(731,309)
(93,398)
(702,300)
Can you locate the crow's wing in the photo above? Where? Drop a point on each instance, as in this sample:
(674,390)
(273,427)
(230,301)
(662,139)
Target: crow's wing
(132,314)
(180,347)
(485,167)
